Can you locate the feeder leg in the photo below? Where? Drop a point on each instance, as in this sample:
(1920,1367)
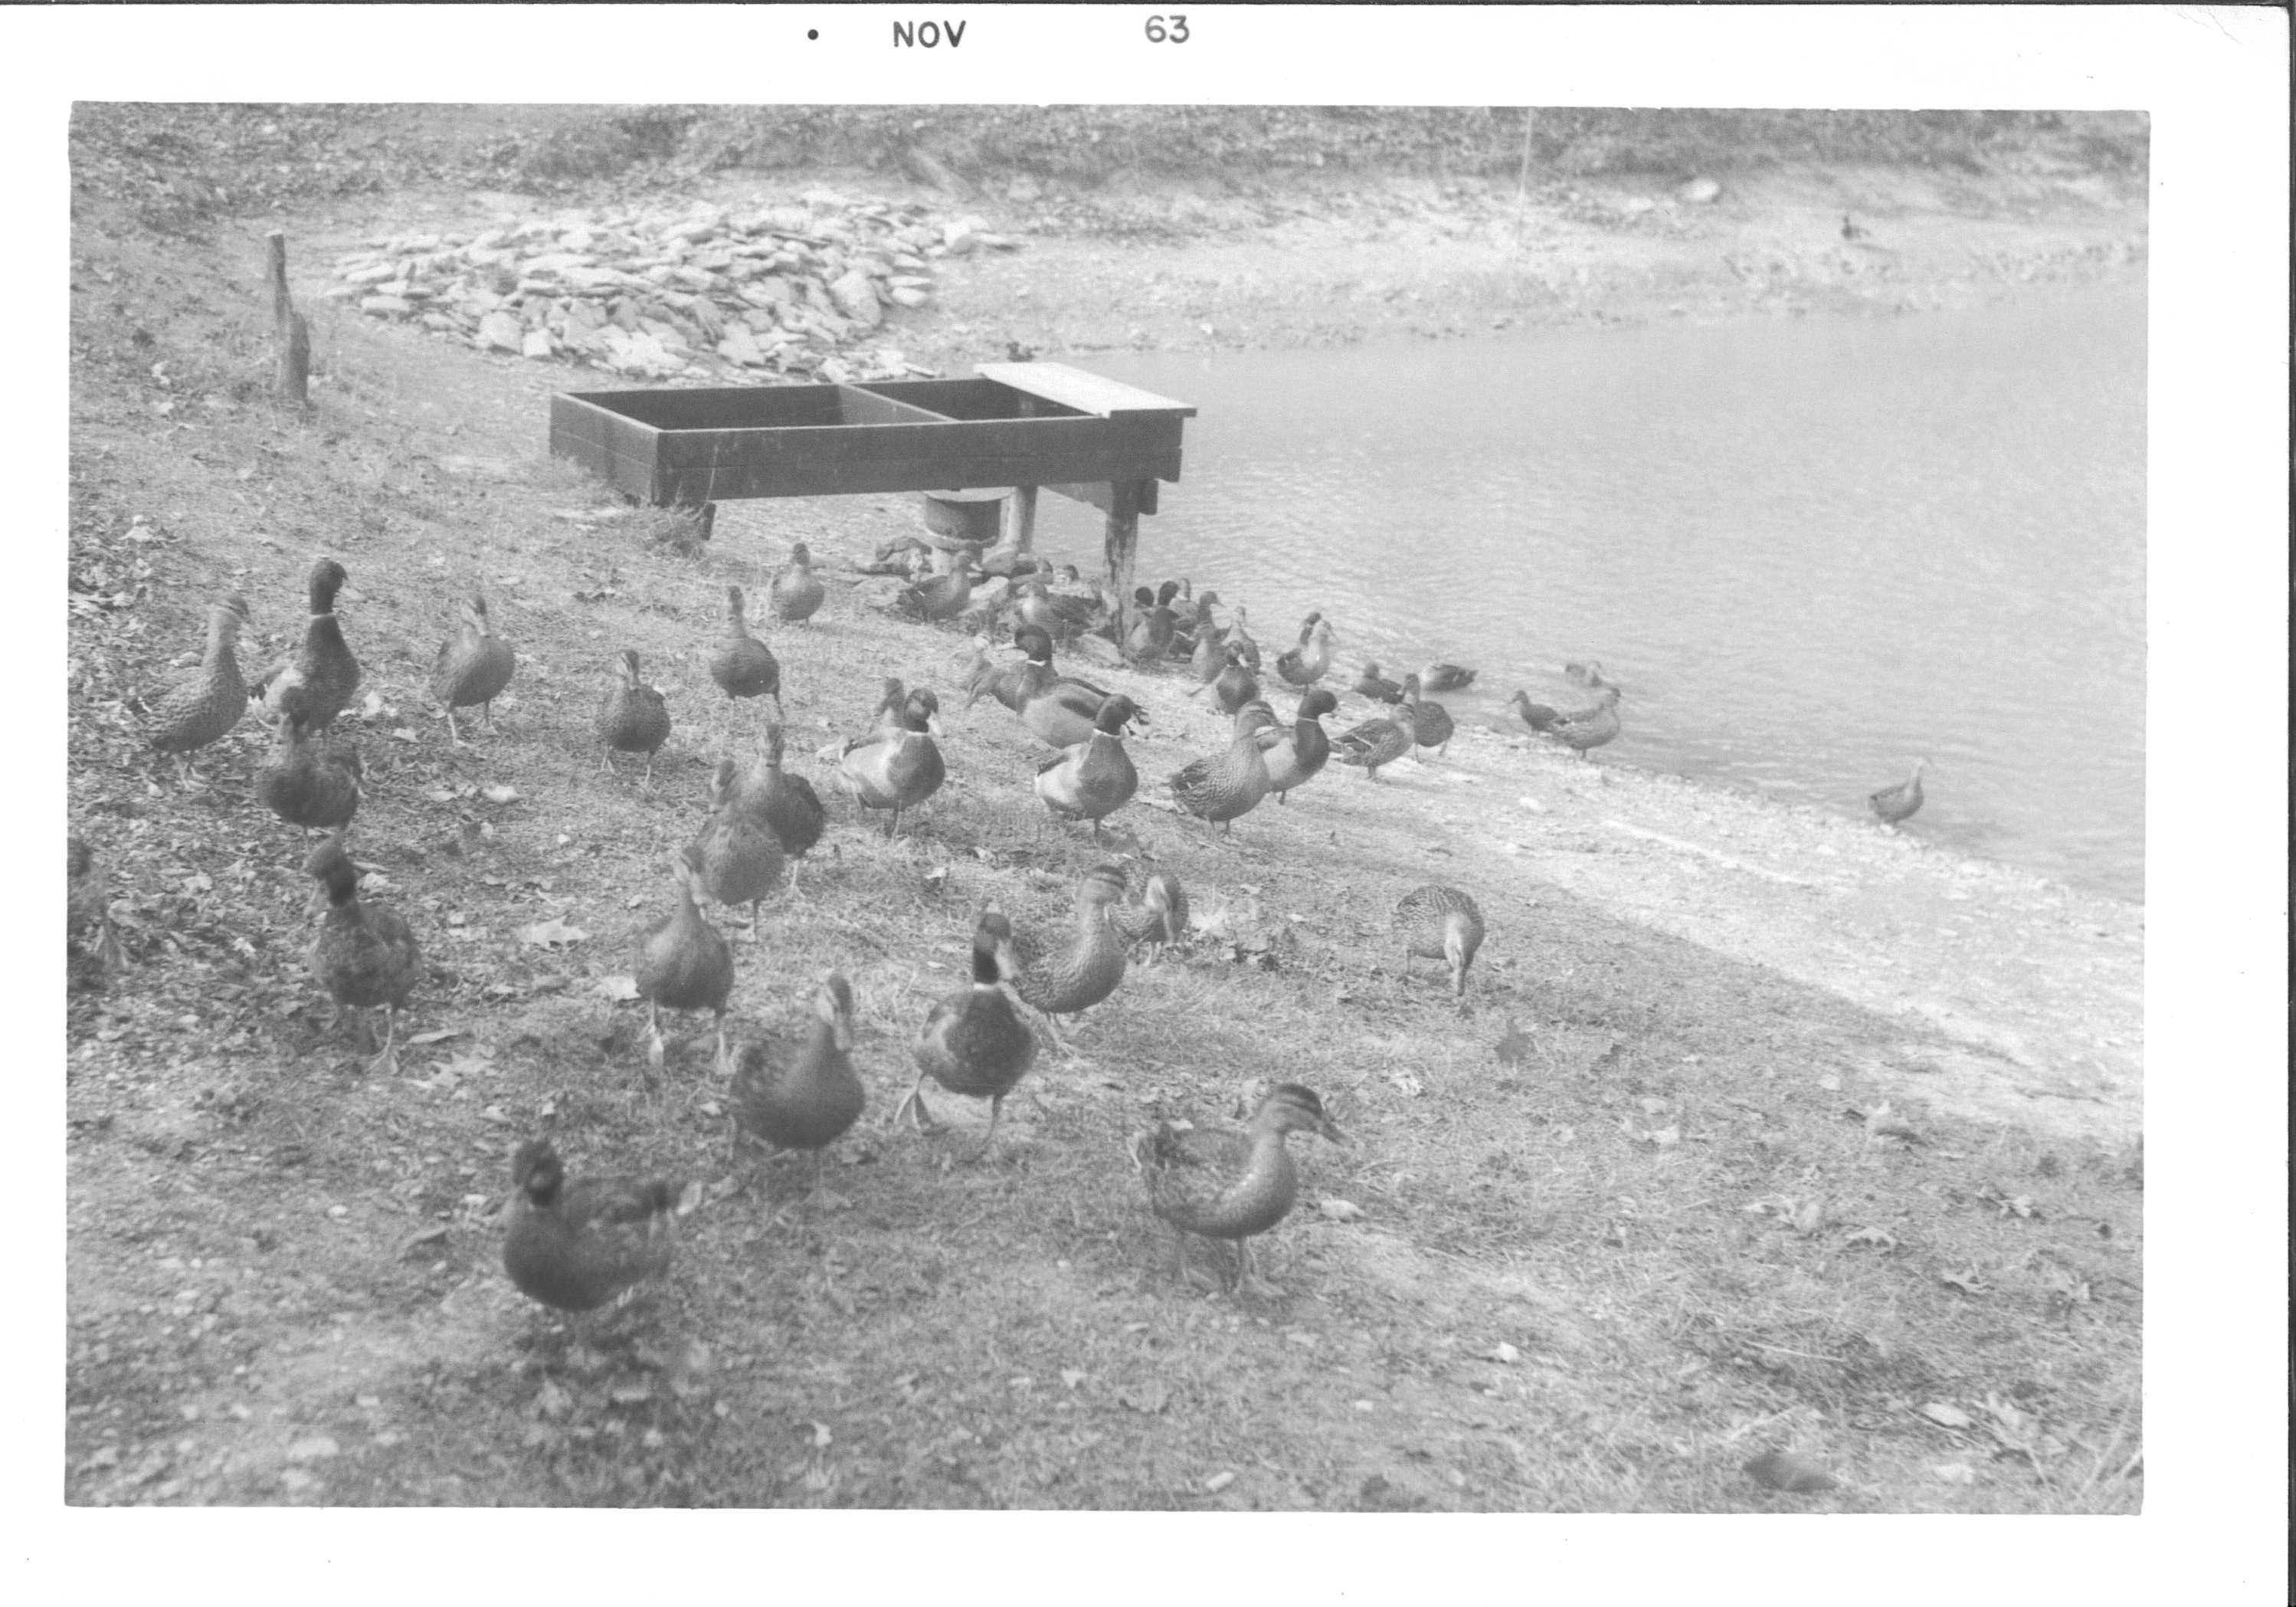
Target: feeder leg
(1121,537)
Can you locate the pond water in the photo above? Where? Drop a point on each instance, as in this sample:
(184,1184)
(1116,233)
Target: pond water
(1810,550)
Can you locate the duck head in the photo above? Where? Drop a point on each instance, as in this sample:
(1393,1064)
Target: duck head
(1315,704)
(1116,712)
(536,1172)
(920,712)
(1294,1107)
(832,1005)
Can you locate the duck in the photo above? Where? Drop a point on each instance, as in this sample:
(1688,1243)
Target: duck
(973,1041)
(1235,686)
(1370,683)
(1301,752)
(684,964)
(1436,922)
(307,782)
(984,677)
(579,1246)
(1539,716)
(1374,743)
(1232,782)
(786,805)
(1431,722)
(1306,663)
(1072,977)
(742,858)
(896,766)
(744,666)
(1587,674)
(89,930)
(809,1100)
(1852,231)
(940,597)
(1589,727)
(1159,919)
(1060,710)
(634,719)
(796,594)
(1193,623)
(1241,638)
(472,668)
(193,709)
(1893,804)
(1151,637)
(1062,618)
(323,667)
(1208,660)
(1092,779)
(1442,677)
(365,956)
(1231,1185)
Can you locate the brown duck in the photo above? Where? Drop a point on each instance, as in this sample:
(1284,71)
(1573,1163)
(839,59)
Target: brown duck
(1159,919)
(577,1246)
(1060,710)
(1370,683)
(1893,804)
(742,858)
(897,766)
(1375,742)
(1231,1185)
(795,593)
(195,709)
(684,964)
(808,1099)
(1235,685)
(634,719)
(974,1042)
(1229,783)
(1075,976)
(1436,922)
(323,667)
(307,781)
(1092,779)
(786,805)
(1431,721)
(743,665)
(89,931)
(1306,663)
(1299,755)
(940,597)
(364,957)
(472,668)
(1589,727)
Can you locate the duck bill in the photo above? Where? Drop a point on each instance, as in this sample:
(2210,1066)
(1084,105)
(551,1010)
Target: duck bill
(1329,1129)
(933,726)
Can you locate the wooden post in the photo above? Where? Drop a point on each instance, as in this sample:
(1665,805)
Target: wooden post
(1122,536)
(1020,532)
(291,333)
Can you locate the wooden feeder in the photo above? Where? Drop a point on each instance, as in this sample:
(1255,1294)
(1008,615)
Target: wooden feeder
(1016,425)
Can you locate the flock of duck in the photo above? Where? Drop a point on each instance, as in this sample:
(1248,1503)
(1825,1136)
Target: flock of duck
(579,1244)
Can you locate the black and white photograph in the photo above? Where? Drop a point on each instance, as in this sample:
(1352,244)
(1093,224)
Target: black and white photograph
(1014,776)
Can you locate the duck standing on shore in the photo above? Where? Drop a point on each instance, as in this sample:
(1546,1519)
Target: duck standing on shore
(796,592)
(742,858)
(808,1100)
(1231,782)
(1299,755)
(1893,804)
(192,709)
(1092,779)
(1374,743)
(1431,721)
(1589,727)
(1436,922)
(973,1042)
(1370,683)
(684,964)
(743,665)
(1539,717)
(634,719)
(1160,917)
(90,934)
(787,805)
(1442,677)
(1231,1185)
(1060,710)
(472,667)
(364,957)
(577,1246)
(940,597)
(1235,685)
(307,782)
(322,668)
(896,766)
(1305,664)
(1072,977)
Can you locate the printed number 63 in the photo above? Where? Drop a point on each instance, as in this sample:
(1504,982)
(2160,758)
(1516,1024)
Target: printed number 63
(1172,30)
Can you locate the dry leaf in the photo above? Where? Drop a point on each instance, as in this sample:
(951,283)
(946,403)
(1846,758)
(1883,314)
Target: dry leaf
(1784,1471)
(1503,1352)
(437,1035)
(1512,1047)
(1875,1237)
(499,793)
(1340,1210)
(1969,1281)
(1809,1216)
(1947,1416)
(1148,1398)
(619,988)
(1218,1482)
(551,933)
(1954,1472)
(821,1437)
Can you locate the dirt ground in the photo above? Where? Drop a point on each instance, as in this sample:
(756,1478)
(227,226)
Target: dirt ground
(1599,1274)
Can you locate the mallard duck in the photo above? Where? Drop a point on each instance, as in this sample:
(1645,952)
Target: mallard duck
(984,677)
(363,956)
(744,666)
(473,666)
(634,719)
(1306,663)
(808,1100)
(1589,674)
(1193,622)
(1374,743)
(323,667)
(1092,779)
(1152,634)
(796,594)
(1301,752)
(1063,618)
(1240,637)
(786,805)
(903,555)
(974,1042)
(896,766)
(307,782)
(1231,782)
(1442,677)
(192,709)
(1852,231)
(740,857)
(88,927)
(1589,727)
(1160,917)
(1440,923)
(1893,804)
(1075,976)
(1431,722)
(1207,658)
(1231,1185)
(1060,710)
(684,964)
(1539,716)
(577,1246)
(1370,683)
(1235,685)
(940,597)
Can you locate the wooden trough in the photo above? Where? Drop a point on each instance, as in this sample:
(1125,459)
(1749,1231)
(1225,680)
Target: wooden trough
(1021,424)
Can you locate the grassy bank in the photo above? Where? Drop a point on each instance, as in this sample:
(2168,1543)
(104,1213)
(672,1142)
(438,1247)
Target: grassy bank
(1599,1274)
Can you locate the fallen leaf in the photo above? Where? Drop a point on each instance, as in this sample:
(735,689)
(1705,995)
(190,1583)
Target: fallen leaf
(1148,1398)
(551,933)
(1954,1472)
(1503,1352)
(1795,1475)
(1340,1210)
(499,793)
(1512,1047)
(821,1437)
(437,1035)
(632,1393)
(1947,1416)
(1875,1237)
(1218,1482)
(1969,1281)
(1405,1082)
(1072,1376)
(1809,1216)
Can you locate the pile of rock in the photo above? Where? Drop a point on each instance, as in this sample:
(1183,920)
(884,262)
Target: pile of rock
(796,290)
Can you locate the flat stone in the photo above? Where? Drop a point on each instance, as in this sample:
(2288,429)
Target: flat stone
(314,1448)
(537,344)
(503,331)
(904,295)
(386,307)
